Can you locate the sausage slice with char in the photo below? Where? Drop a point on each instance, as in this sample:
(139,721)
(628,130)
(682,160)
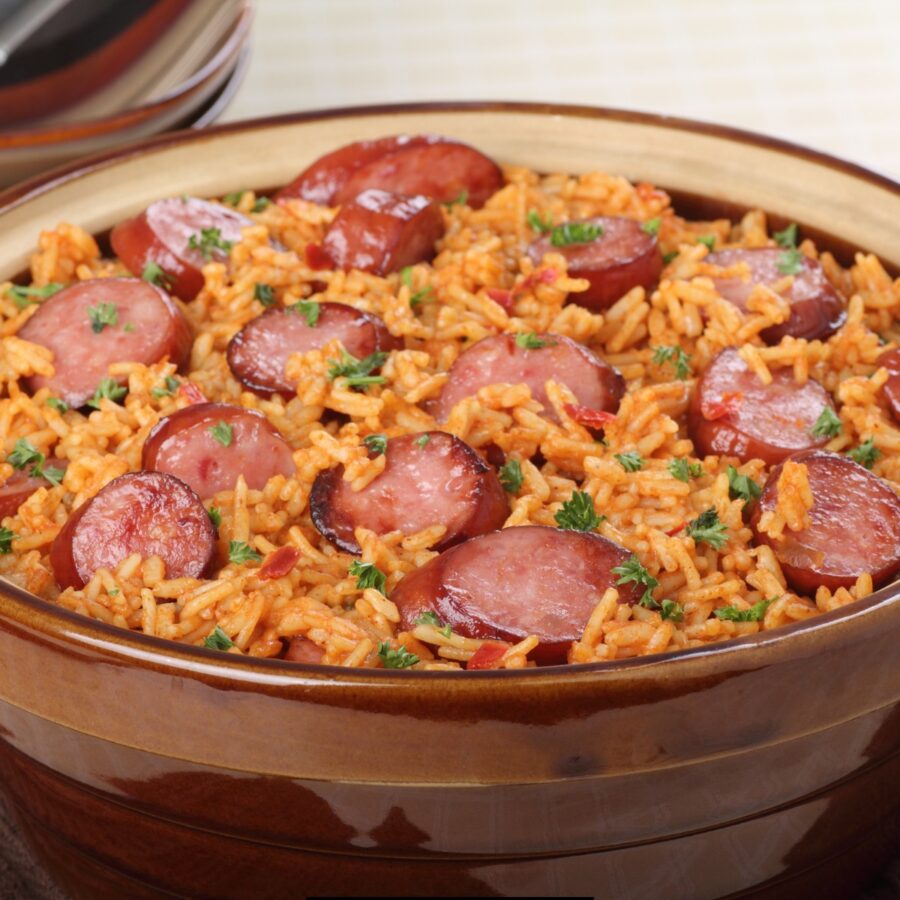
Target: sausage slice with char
(149,513)
(890,359)
(207,445)
(733,413)
(91,324)
(258,353)
(429,479)
(517,582)
(854,526)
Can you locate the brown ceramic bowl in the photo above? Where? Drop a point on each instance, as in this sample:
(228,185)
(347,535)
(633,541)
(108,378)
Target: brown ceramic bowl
(767,766)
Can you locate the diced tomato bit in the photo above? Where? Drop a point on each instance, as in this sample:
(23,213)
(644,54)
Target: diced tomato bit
(548,275)
(488,655)
(317,257)
(675,531)
(590,418)
(729,403)
(502,297)
(279,563)
(190,392)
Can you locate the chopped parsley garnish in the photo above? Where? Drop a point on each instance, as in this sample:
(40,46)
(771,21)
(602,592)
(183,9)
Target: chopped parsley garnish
(59,405)
(416,297)
(865,454)
(241,552)
(101,315)
(675,355)
(528,340)
(578,513)
(26,454)
(652,226)
(261,204)
(575,233)
(400,658)
(130,327)
(633,570)
(171,383)
(309,309)
(423,440)
(630,461)
(357,371)
(431,618)
(668,257)
(708,241)
(376,443)
(669,609)
(755,613)
(707,529)
(511,476)
(790,262)
(234,198)
(460,199)
(218,640)
(108,389)
(788,237)
(683,470)
(113,592)
(215,516)
(742,487)
(23,296)
(367,575)
(827,425)
(209,240)
(6,539)
(222,432)
(537,223)
(155,274)
(265,293)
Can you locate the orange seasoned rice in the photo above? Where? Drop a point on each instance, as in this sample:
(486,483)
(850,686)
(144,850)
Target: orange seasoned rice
(481,250)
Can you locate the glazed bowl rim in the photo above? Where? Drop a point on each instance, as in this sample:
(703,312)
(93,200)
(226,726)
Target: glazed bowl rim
(147,649)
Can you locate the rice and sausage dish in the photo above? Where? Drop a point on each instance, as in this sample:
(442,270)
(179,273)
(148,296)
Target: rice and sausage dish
(421,411)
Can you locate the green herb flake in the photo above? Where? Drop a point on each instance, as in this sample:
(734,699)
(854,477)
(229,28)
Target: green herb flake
(24,454)
(633,571)
(790,262)
(234,198)
(51,473)
(108,389)
(114,592)
(309,310)
(683,470)
(400,658)
(356,371)
(528,340)
(707,529)
(24,296)
(218,640)
(537,223)
(511,476)
(208,241)
(240,552)
(264,293)
(630,461)
(677,357)
(59,405)
(788,237)
(423,440)
(865,454)
(171,385)
(578,513)
(742,487)
(755,613)
(575,233)
(668,257)
(261,204)
(376,443)
(669,609)
(460,200)
(416,297)
(222,432)
(828,425)
(155,274)
(215,516)
(708,241)
(101,315)
(431,618)
(367,575)
(130,327)
(651,227)
(6,539)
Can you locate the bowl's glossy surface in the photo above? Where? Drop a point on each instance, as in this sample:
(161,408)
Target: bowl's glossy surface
(769,764)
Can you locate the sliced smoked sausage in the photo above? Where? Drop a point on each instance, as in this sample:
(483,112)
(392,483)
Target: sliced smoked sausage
(732,413)
(149,513)
(381,232)
(22,484)
(91,324)
(817,309)
(502,359)
(890,359)
(180,235)
(303,650)
(207,445)
(621,256)
(258,353)
(429,479)
(517,582)
(854,526)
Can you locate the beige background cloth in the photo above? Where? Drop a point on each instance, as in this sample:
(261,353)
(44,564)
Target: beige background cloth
(825,73)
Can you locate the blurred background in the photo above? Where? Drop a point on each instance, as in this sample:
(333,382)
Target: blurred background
(84,76)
